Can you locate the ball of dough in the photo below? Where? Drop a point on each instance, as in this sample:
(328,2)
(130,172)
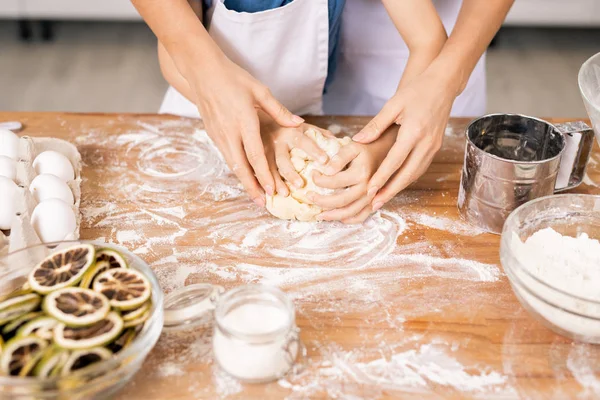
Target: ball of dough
(297,205)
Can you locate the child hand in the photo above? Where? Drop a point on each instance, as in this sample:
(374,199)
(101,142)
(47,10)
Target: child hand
(350,170)
(278,142)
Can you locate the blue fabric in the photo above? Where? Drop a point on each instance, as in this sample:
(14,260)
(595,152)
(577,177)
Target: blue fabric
(335,19)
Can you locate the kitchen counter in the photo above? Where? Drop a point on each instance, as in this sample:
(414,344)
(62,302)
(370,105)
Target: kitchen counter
(413,304)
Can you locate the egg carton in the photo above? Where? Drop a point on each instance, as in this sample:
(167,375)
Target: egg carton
(22,234)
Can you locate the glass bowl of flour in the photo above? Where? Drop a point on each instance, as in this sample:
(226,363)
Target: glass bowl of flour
(550,250)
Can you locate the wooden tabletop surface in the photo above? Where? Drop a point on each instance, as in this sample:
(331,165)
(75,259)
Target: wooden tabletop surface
(415,304)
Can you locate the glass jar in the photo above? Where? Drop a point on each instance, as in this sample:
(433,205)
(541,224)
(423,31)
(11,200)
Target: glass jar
(255,335)
(256,338)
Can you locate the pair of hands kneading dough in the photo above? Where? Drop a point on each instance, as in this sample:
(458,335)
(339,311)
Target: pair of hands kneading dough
(297,205)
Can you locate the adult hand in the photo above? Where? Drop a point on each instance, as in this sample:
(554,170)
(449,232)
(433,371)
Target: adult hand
(227,96)
(228,101)
(421,108)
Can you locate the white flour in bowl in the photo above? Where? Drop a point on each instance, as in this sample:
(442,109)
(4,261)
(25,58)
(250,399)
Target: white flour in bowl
(567,263)
(571,267)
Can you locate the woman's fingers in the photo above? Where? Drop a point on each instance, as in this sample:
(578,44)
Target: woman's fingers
(415,165)
(239,165)
(340,214)
(393,161)
(255,153)
(386,117)
(340,180)
(360,217)
(341,159)
(285,167)
(337,200)
(280,186)
(275,109)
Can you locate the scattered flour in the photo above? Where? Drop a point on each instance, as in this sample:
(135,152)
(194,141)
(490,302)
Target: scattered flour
(178,212)
(199,227)
(368,374)
(170,369)
(128,236)
(454,226)
(584,370)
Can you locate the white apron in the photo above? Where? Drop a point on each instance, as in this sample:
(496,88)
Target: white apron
(285,48)
(282,48)
(373,57)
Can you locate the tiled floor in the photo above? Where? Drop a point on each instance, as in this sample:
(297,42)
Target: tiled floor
(106,67)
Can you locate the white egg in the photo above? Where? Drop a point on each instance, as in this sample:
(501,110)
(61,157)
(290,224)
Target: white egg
(8,168)
(9,144)
(46,186)
(8,191)
(54,163)
(53,220)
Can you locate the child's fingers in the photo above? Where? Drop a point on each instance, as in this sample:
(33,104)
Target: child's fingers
(341,180)
(337,200)
(310,147)
(285,167)
(340,214)
(325,132)
(341,159)
(360,217)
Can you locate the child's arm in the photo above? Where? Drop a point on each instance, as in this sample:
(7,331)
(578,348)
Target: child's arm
(351,205)
(422,30)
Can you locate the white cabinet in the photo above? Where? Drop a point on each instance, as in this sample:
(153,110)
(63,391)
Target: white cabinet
(78,9)
(10,8)
(555,13)
(523,12)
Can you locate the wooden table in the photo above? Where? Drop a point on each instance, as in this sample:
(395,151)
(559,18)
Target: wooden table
(435,319)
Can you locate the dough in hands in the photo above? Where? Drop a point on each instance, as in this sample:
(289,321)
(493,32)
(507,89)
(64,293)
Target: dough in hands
(297,205)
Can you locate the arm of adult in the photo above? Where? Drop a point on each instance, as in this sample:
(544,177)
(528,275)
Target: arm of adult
(226,95)
(422,106)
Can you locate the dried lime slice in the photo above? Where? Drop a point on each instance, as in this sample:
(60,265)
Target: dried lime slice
(63,268)
(137,312)
(93,272)
(42,327)
(16,307)
(126,338)
(114,258)
(51,362)
(21,354)
(76,306)
(139,320)
(85,337)
(126,289)
(105,259)
(81,359)
(20,291)
(17,323)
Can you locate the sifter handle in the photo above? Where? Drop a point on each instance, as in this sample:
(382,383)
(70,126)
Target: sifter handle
(579,141)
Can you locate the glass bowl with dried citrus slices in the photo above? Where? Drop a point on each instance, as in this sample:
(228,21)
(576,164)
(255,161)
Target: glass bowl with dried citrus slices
(77,320)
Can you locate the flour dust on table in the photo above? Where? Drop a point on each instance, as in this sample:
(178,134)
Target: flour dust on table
(199,226)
